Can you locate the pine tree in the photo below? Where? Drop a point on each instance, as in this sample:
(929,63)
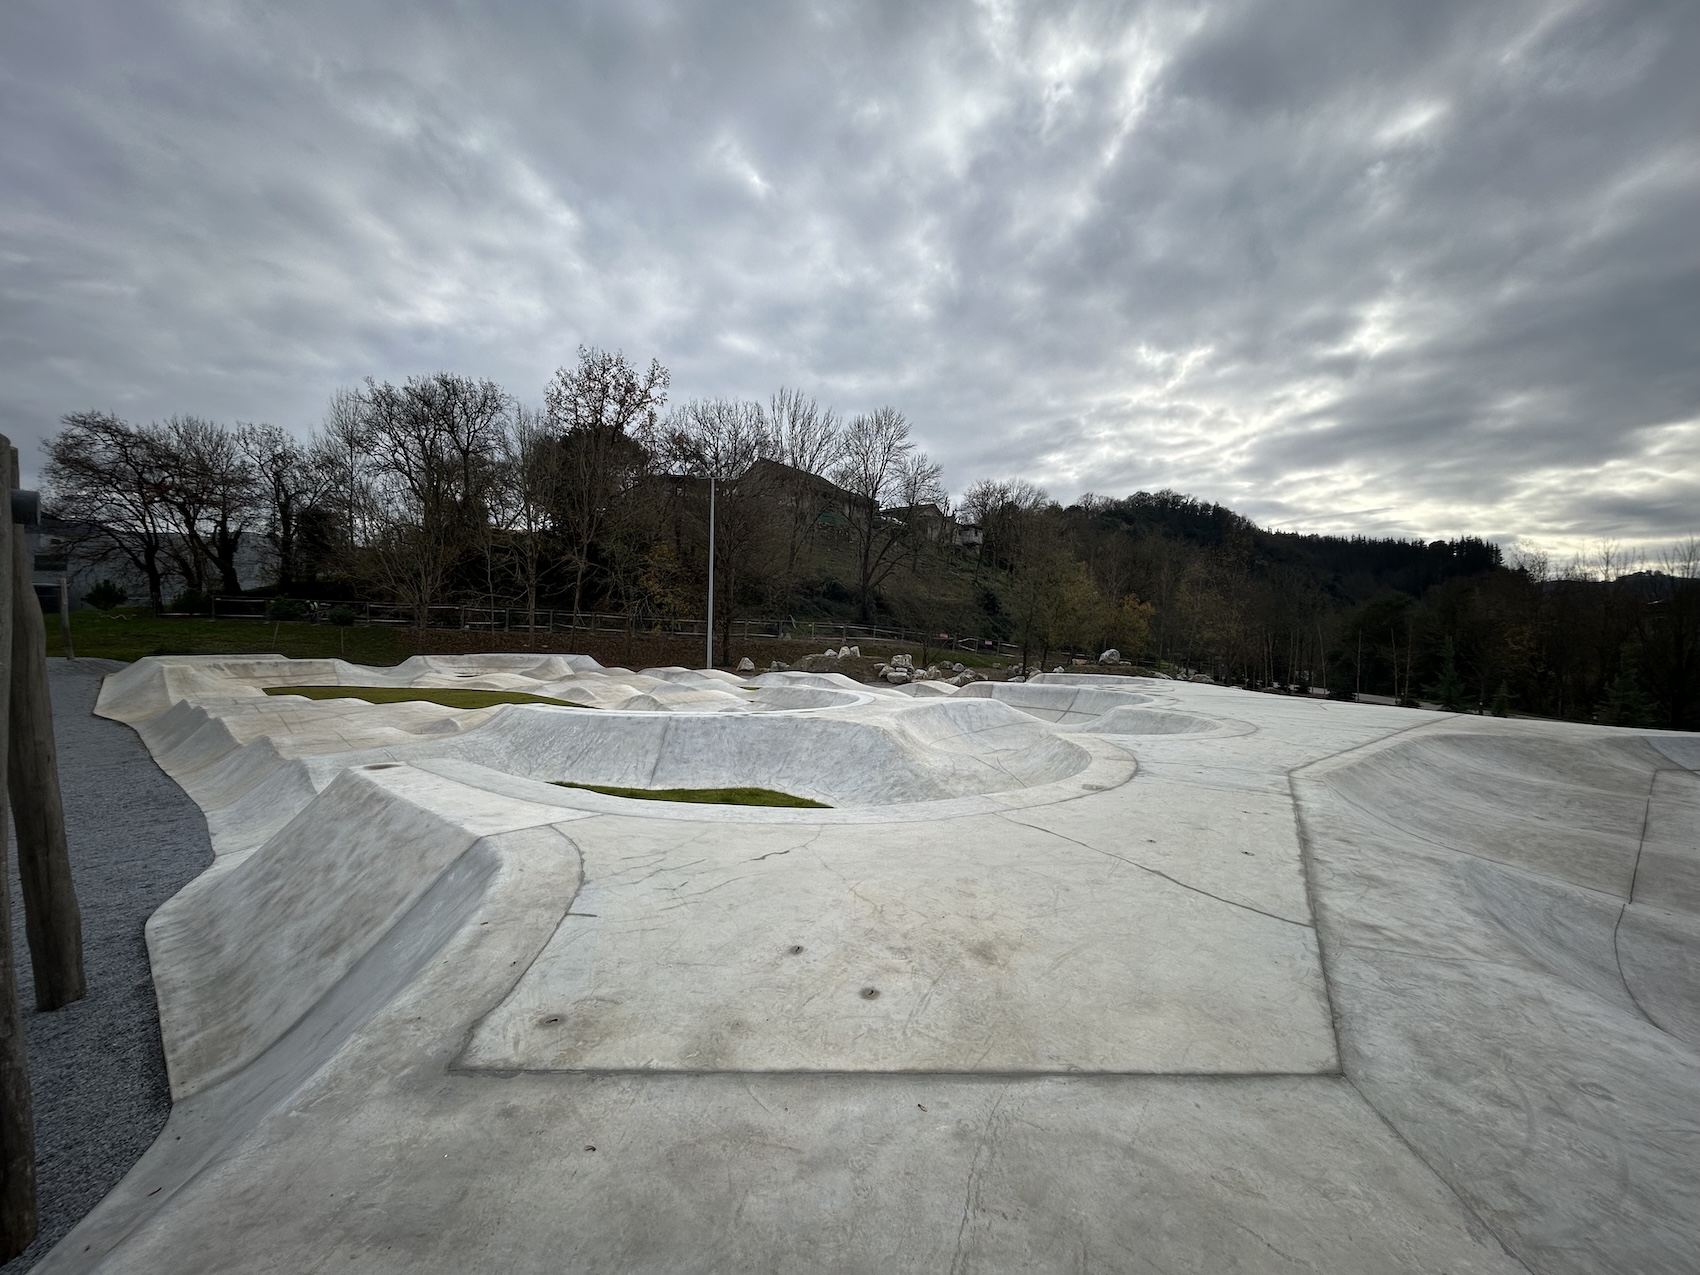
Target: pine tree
(1449,689)
(1502,701)
(1626,704)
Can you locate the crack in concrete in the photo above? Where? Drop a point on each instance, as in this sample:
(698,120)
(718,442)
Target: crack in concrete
(1156,872)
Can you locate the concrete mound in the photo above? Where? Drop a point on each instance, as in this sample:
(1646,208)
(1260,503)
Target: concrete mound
(1513,929)
(1064,704)
(932,751)
(1150,721)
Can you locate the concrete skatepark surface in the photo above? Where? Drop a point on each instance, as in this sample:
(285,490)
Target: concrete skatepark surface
(1106,973)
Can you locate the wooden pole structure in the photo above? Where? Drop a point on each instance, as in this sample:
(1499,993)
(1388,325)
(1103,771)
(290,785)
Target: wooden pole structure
(69,651)
(17,1126)
(52,919)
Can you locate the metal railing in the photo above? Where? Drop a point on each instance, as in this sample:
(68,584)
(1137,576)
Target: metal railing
(555,620)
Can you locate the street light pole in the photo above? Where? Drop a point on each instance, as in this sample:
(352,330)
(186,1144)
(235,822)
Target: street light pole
(710,663)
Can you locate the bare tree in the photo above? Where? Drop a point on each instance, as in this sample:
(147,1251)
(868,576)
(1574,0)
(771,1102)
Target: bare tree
(604,410)
(113,478)
(344,449)
(923,506)
(1001,508)
(722,439)
(214,494)
(434,442)
(291,478)
(878,466)
(809,441)
(530,483)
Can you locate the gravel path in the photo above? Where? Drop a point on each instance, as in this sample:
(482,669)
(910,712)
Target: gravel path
(97,1072)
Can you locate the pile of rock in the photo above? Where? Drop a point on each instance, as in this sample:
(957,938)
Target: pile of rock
(900,670)
(830,661)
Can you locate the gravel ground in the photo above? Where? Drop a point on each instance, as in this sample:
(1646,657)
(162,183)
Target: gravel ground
(97,1072)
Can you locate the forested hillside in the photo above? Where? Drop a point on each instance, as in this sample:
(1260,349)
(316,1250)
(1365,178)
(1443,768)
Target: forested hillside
(447,490)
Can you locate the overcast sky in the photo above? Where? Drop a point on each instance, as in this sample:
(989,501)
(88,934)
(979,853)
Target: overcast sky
(1416,268)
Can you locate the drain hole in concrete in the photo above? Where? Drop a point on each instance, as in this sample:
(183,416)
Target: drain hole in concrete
(383,765)
(870,993)
(553,1018)
(795,948)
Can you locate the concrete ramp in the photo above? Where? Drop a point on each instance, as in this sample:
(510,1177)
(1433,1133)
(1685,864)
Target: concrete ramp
(1151,721)
(239,956)
(1507,910)
(1065,705)
(926,752)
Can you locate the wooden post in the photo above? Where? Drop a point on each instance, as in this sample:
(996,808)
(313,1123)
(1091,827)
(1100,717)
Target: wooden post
(17,1127)
(52,919)
(69,651)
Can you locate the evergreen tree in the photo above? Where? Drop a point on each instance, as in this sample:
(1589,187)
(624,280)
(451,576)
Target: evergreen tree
(1449,688)
(1626,703)
(1502,701)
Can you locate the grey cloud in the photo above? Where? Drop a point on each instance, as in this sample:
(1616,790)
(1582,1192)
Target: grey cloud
(1415,268)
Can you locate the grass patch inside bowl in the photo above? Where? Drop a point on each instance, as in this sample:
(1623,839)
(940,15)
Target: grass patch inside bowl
(704,796)
(447,696)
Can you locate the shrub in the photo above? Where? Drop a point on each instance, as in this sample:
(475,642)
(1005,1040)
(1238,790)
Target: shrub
(192,602)
(341,616)
(106,595)
(285,609)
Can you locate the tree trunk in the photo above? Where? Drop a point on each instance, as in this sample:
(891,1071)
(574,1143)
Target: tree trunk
(17,1126)
(156,581)
(51,916)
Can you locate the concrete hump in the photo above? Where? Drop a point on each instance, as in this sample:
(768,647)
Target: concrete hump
(1569,807)
(826,681)
(251,795)
(1150,721)
(239,956)
(792,699)
(925,752)
(1530,1030)
(1066,705)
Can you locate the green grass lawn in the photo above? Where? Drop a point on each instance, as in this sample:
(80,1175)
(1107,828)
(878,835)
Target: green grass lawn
(447,696)
(130,635)
(705,796)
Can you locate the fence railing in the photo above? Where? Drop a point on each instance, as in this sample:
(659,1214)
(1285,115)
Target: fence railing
(521,620)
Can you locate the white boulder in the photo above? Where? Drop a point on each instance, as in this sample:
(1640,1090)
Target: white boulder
(746,665)
(1111,656)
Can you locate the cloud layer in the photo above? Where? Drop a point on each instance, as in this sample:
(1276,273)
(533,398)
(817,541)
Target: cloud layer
(1418,268)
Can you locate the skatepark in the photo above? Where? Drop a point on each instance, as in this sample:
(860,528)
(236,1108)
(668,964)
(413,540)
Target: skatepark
(1083,972)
